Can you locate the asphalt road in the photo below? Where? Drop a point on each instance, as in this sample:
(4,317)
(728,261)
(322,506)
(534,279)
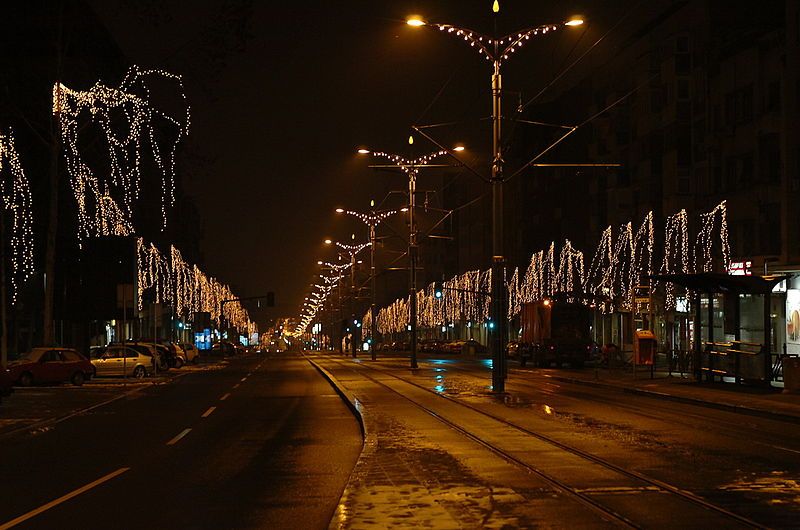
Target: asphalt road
(263,443)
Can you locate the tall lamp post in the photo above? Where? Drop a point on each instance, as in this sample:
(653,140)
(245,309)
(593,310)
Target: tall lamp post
(411,169)
(334,280)
(497,51)
(372,219)
(352,250)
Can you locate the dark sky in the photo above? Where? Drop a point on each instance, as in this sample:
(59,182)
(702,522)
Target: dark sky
(282,93)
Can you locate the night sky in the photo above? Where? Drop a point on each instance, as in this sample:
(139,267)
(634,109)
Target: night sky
(283,93)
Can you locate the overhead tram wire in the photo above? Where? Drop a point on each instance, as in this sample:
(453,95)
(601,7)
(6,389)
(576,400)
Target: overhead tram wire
(576,127)
(584,54)
(564,71)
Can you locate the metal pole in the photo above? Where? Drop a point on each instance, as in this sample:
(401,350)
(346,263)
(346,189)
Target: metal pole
(498,308)
(712,348)
(340,334)
(412,254)
(353,302)
(767,338)
(373,316)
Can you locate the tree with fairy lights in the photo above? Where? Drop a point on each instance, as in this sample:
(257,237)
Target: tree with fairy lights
(16,233)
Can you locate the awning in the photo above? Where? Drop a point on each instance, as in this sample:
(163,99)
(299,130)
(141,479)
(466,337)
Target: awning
(715,282)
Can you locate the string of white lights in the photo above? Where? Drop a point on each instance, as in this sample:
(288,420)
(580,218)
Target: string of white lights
(129,121)
(17,212)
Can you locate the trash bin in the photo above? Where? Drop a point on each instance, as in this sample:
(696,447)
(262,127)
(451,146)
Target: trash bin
(791,374)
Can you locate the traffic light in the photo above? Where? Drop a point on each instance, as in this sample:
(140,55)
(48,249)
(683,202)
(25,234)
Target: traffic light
(437,291)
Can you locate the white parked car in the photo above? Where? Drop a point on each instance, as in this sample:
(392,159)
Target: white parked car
(122,361)
(192,354)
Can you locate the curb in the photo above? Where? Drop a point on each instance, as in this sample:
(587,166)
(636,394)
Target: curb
(739,409)
(350,400)
(339,519)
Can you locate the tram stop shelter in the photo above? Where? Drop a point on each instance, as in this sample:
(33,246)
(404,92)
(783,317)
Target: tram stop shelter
(719,358)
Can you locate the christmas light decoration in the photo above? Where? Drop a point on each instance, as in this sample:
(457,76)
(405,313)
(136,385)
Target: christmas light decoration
(371,218)
(171,280)
(17,212)
(620,264)
(705,243)
(486,46)
(129,122)
(677,257)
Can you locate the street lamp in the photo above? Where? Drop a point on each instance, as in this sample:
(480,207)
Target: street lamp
(352,250)
(334,280)
(411,169)
(372,219)
(497,51)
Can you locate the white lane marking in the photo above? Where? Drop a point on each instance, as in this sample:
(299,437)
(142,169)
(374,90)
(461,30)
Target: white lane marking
(207,413)
(236,386)
(251,373)
(65,498)
(244,379)
(177,438)
(779,447)
(226,396)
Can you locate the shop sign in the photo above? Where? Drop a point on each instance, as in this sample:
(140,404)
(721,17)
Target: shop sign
(740,268)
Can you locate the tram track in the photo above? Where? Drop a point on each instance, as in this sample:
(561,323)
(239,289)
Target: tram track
(699,419)
(646,483)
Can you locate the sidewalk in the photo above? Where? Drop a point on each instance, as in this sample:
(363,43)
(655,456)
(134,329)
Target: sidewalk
(430,462)
(769,403)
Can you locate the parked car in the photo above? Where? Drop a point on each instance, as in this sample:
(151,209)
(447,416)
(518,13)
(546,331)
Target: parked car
(50,365)
(473,345)
(6,384)
(512,349)
(400,346)
(123,361)
(454,346)
(223,348)
(148,349)
(177,356)
(192,353)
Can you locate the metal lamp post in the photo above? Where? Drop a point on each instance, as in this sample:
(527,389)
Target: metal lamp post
(352,251)
(411,169)
(497,51)
(372,219)
(334,281)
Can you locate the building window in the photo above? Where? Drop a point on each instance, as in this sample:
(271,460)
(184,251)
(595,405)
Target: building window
(769,158)
(739,106)
(683,89)
(773,103)
(684,184)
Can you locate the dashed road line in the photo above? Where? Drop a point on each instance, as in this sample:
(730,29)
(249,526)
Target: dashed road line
(180,435)
(244,379)
(65,498)
(236,385)
(226,396)
(206,414)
